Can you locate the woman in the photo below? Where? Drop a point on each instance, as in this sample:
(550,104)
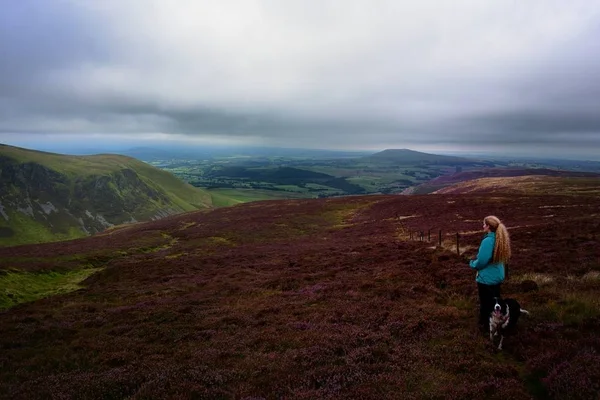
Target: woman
(494,252)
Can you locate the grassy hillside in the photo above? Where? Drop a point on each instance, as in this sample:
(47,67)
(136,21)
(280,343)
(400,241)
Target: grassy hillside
(49,197)
(306,299)
(67,164)
(102,164)
(184,195)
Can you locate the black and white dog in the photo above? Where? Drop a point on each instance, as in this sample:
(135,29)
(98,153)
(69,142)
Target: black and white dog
(504,317)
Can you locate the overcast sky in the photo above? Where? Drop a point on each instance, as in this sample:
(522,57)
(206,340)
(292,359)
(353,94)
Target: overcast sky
(499,75)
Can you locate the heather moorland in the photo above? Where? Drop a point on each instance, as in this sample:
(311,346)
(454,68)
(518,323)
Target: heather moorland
(304,299)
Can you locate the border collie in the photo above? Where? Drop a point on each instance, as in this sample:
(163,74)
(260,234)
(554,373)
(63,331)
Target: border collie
(504,317)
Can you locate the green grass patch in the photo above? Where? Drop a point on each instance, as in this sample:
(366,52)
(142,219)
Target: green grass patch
(28,230)
(340,217)
(539,278)
(221,241)
(369,183)
(576,307)
(21,287)
(156,248)
(292,188)
(173,256)
(230,197)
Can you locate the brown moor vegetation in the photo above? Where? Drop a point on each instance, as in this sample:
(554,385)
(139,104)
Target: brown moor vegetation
(307,299)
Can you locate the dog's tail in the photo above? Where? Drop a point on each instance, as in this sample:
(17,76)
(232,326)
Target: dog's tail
(524,311)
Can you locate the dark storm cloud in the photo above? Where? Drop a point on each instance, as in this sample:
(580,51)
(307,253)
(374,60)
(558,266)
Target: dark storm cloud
(319,73)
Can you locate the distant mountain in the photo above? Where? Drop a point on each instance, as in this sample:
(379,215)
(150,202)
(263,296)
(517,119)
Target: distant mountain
(48,196)
(411,157)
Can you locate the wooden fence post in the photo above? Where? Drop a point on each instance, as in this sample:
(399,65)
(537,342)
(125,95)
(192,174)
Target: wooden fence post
(429,235)
(457,244)
(440,238)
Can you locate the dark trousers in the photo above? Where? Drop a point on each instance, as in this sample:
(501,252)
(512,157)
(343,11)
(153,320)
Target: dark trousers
(487,301)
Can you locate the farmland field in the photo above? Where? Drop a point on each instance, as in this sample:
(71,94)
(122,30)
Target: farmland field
(404,171)
(308,177)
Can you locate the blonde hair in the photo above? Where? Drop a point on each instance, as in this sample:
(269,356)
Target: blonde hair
(502,251)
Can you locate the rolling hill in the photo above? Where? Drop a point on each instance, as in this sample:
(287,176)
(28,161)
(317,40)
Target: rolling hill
(528,184)
(411,157)
(48,197)
(508,180)
(306,299)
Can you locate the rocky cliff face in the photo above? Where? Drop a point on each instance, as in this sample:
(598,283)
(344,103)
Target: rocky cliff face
(38,203)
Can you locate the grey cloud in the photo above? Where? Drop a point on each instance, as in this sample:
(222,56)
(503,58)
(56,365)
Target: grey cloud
(310,72)
(539,124)
(37,36)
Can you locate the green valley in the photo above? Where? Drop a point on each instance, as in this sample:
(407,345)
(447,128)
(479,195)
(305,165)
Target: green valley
(275,177)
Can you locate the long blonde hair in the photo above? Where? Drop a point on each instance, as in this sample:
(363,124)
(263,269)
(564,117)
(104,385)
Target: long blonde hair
(502,251)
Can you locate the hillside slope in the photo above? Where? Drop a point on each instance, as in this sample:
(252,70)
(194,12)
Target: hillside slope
(48,197)
(460,181)
(530,184)
(552,182)
(308,299)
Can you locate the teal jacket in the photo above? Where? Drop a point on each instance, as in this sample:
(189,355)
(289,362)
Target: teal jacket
(487,272)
